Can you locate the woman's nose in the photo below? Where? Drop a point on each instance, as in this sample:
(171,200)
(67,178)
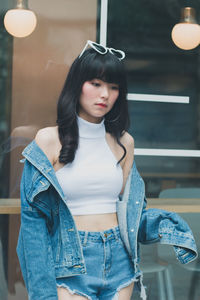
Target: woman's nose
(104,91)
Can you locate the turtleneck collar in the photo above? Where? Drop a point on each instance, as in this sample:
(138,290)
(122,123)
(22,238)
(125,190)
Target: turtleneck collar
(91,130)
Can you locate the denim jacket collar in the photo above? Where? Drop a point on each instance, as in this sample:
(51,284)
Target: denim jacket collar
(38,158)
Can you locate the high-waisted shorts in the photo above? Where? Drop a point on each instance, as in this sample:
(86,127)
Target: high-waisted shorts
(108,266)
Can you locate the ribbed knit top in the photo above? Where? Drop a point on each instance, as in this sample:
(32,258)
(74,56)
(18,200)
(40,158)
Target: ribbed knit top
(93,181)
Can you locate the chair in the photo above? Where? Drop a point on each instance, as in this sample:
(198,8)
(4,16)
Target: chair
(151,263)
(193,266)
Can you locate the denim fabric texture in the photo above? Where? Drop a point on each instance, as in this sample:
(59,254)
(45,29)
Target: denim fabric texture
(49,246)
(109,268)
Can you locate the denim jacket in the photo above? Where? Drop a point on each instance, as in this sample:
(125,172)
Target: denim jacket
(49,246)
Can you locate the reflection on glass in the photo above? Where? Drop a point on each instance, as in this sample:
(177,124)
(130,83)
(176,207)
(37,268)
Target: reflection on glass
(156,66)
(168,172)
(38,65)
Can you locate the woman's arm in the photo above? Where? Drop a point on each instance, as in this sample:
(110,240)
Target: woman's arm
(128,141)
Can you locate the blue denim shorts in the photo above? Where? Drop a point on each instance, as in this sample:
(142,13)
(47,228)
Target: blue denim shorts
(109,267)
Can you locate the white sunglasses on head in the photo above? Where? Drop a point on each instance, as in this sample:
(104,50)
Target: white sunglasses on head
(103,50)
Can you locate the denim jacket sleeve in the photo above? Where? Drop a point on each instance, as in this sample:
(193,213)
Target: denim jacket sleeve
(157,225)
(34,247)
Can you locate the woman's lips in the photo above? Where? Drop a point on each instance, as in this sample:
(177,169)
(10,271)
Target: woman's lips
(102,105)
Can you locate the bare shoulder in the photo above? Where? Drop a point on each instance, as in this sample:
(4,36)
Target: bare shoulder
(46,136)
(48,140)
(127,140)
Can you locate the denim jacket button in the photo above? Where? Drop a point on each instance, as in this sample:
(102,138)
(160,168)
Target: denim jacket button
(137,202)
(71,229)
(77,266)
(160,235)
(132,230)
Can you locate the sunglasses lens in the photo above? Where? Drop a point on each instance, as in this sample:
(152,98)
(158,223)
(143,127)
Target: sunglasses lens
(101,49)
(118,53)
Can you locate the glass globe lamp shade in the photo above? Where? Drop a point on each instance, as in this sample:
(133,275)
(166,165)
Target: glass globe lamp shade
(186,36)
(20,22)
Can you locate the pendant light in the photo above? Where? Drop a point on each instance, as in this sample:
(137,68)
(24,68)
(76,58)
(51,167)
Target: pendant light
(20,21)
(186,34)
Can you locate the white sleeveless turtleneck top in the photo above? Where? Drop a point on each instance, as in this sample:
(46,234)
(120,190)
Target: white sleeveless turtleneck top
(93,181)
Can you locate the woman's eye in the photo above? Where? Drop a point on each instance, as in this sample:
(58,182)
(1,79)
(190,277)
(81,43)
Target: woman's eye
(115,87)
(95,83)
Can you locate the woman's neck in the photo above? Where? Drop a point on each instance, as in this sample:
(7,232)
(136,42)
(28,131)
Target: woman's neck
(91,119)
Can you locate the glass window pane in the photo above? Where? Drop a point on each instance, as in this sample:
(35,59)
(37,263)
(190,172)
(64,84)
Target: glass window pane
(32,73)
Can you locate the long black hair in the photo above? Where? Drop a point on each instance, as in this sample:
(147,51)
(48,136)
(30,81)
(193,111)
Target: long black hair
(91,65)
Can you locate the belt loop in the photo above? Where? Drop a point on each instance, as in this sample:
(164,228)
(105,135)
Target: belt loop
(115,234)
(85,238)
(103,235)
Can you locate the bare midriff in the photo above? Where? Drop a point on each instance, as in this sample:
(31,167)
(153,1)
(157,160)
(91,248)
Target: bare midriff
(97,222)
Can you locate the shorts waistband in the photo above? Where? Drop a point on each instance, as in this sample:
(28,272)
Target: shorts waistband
(98,236)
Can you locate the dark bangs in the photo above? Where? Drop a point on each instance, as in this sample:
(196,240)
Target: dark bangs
(106,67)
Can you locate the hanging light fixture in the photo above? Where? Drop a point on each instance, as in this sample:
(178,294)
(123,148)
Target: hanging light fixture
(186,34)
(20,21)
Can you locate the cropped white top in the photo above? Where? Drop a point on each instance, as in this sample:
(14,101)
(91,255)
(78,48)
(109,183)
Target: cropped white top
(93,181)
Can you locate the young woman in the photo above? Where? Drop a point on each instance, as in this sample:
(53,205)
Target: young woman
(91,151)
(82,197)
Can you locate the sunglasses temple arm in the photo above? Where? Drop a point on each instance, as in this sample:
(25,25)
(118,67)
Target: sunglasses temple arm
(83,50)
